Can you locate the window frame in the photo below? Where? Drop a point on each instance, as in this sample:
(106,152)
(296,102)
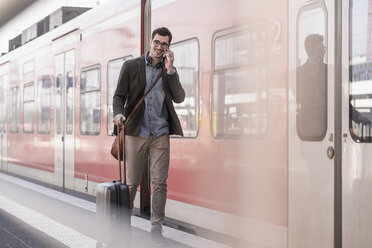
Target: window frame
(368,65)
(17,108)
(41,80)
(319,4)
(125,58)
(86,69)
(29,84)
(237,67)
(69,124)
(198,95)
(3,110)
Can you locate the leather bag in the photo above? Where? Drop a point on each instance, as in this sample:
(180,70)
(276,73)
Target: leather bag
(114,147)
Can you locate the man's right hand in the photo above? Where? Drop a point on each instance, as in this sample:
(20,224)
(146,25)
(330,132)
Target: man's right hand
(118,119)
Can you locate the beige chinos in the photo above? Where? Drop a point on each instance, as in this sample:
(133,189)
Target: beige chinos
(155,150)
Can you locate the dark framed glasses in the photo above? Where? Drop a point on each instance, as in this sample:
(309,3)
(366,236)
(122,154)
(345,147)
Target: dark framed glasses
(163,44)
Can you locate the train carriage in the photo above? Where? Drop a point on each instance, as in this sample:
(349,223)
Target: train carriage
(277,115)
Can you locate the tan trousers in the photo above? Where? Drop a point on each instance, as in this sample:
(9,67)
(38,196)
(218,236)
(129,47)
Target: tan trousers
(155,150)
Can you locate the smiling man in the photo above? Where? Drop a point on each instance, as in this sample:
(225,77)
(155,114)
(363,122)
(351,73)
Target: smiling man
(148,130)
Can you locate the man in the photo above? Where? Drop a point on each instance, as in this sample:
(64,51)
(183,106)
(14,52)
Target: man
(312,91)
(147,132)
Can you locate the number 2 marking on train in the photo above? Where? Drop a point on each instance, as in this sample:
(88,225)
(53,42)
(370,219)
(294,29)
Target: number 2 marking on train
(276,41)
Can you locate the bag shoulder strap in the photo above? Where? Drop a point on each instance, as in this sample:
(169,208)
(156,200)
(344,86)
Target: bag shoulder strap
(144,96)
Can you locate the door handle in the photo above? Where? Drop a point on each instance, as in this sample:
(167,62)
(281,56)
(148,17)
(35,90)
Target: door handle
(330,152)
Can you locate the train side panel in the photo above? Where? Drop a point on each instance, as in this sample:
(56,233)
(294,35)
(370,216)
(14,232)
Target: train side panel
(244,174)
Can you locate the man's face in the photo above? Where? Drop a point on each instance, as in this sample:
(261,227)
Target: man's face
(317,51)
(158,45)
(320,51)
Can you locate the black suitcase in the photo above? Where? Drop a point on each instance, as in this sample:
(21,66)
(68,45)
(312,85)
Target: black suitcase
(113,214)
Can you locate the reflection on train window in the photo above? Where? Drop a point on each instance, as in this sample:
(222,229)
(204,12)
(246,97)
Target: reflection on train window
(113,72)
(90,102)
(3,83)
(14,110)
(239,94)
(311,88)
(360,106)
(69,102)
(186,60)
(43,106)
(28,108)
(58,103)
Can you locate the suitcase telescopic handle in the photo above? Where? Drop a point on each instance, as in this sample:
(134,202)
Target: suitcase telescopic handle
(119,159)
(124,164)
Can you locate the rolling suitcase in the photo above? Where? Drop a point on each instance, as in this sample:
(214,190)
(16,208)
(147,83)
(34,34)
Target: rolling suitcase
(113,215)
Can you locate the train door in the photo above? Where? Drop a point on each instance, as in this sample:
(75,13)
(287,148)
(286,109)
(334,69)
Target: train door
(356,123)
(3,121)
(64,161)
(311,124)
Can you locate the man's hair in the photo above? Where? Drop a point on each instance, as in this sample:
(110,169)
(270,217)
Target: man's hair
(163,31)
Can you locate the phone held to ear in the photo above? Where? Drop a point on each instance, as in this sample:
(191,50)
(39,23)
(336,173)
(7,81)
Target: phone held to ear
(165,56)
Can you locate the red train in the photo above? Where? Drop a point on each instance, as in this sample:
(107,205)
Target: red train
(244,168)
(59,110)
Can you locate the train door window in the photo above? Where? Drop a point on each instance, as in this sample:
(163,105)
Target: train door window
(28,108)
(2,104)
(239,90)
(70,92)
(113,72)
(311,87)
(186,60)
(14,110)
(69,102)
(90,101)
(360,93)
(58,97)
(44,105)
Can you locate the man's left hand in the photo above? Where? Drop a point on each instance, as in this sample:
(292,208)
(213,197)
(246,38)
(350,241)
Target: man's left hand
(169,59)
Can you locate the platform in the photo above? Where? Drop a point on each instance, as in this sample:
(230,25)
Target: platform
(32,215)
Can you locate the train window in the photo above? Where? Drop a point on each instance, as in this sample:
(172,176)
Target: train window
(186,60)
(44,105)
(28,108)
(14,110)
(360,91)
(69,102)
(3,82)
(311,87)
(113,72)
(90,101)
(58,103)
(239,93)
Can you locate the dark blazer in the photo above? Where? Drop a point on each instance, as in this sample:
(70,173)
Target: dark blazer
(131,87)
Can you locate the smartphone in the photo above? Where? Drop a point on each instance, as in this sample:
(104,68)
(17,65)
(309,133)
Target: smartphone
(165,56)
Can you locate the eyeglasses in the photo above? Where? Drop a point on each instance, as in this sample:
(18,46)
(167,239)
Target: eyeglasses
(163,44)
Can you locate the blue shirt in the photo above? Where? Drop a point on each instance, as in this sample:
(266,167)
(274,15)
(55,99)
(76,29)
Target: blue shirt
(155,119)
